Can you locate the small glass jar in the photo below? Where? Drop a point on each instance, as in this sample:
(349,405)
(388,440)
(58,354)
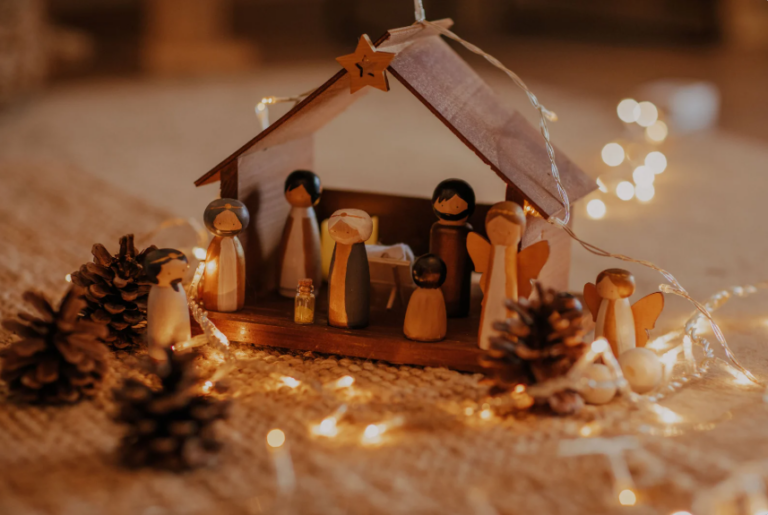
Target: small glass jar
(304,306)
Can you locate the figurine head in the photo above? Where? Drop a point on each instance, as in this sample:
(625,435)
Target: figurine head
(505,223)
(226,217)
(615,283)
(453,201)
(166,267)
(303,189)
(429,271)
(349,226)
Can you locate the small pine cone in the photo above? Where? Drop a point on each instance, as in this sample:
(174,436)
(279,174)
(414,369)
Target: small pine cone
(542,340)
(60,358)
(170,428)
(117,291)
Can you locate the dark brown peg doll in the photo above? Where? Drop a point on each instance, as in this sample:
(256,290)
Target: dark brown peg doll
(300,243)
(425,318)
(453,202)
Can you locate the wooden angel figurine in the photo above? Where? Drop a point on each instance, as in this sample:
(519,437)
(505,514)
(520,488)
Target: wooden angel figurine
(507,273)
(425,318)
(625,326)
(167,311)
(299,256)
(222,287)
(349,280)
(453,202)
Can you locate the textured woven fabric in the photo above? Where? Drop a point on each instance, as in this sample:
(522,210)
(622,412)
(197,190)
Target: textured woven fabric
(62,459)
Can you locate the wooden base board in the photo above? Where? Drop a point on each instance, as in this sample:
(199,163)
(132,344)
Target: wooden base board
(269,321)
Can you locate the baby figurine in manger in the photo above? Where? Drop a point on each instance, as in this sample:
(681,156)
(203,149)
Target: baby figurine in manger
(349,280)
(507,272)
(222,287)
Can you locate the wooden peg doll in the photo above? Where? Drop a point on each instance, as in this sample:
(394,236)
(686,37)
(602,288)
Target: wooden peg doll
(349,280)
(453,202)
(167,310)
(300,256)
(222,287)
(507,273)
(625,326)
(425,318)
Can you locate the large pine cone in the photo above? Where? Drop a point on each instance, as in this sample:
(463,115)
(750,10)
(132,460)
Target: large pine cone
(60,358)
(541,340)
(173,427)
(117,291)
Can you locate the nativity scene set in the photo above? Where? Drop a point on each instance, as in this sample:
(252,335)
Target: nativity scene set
(296,266)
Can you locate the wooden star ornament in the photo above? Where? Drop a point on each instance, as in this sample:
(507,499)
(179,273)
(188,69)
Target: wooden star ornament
(366,67)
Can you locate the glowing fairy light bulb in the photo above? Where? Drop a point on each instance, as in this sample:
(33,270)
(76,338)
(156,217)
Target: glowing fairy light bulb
(645,192)
(372,434)
(344,382)
(600,345)
(643,176)
(657,132)
(613,154)
(275,438)
(326,428)
(656,161)
(627,110)
(625,190)
(208,386)
(486,414)
(666,415)
(647,114)
(627,497)
(199,252)
(290,381)
(596,208)
(68,278)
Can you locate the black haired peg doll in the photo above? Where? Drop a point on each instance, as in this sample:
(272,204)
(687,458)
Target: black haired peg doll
(425,319)
(453,202)
(299,256)
(167,311)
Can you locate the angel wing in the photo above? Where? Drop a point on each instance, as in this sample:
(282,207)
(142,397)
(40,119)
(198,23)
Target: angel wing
(529,264)
(480,251)
(592,299)
(645,312)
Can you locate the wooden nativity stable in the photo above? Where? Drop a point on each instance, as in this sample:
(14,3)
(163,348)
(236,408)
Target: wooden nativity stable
(509,145)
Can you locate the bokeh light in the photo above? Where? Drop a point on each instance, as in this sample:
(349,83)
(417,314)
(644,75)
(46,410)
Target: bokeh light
(627,110)
(275,438)
(645,193)
(643,176)
(657,132)
(625,190)
(627,498)
(647,114)
(613,154)
(656,161)
(596,208)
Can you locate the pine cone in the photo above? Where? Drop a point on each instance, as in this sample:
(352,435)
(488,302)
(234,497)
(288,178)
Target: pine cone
(170,428)
(542,340)
(117,291)
(60,358)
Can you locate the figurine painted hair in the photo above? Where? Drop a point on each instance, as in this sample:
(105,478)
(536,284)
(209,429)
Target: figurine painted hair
(222,287)
(226,217)
(453,201)
(507,273)
(167,310)
(349,280)
(299,256)
(625,326)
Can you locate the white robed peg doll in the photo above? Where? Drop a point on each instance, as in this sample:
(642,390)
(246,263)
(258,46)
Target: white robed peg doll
(222,287)
(426,319)
(507,273)
(624,326)
(300,256)
(167,310)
